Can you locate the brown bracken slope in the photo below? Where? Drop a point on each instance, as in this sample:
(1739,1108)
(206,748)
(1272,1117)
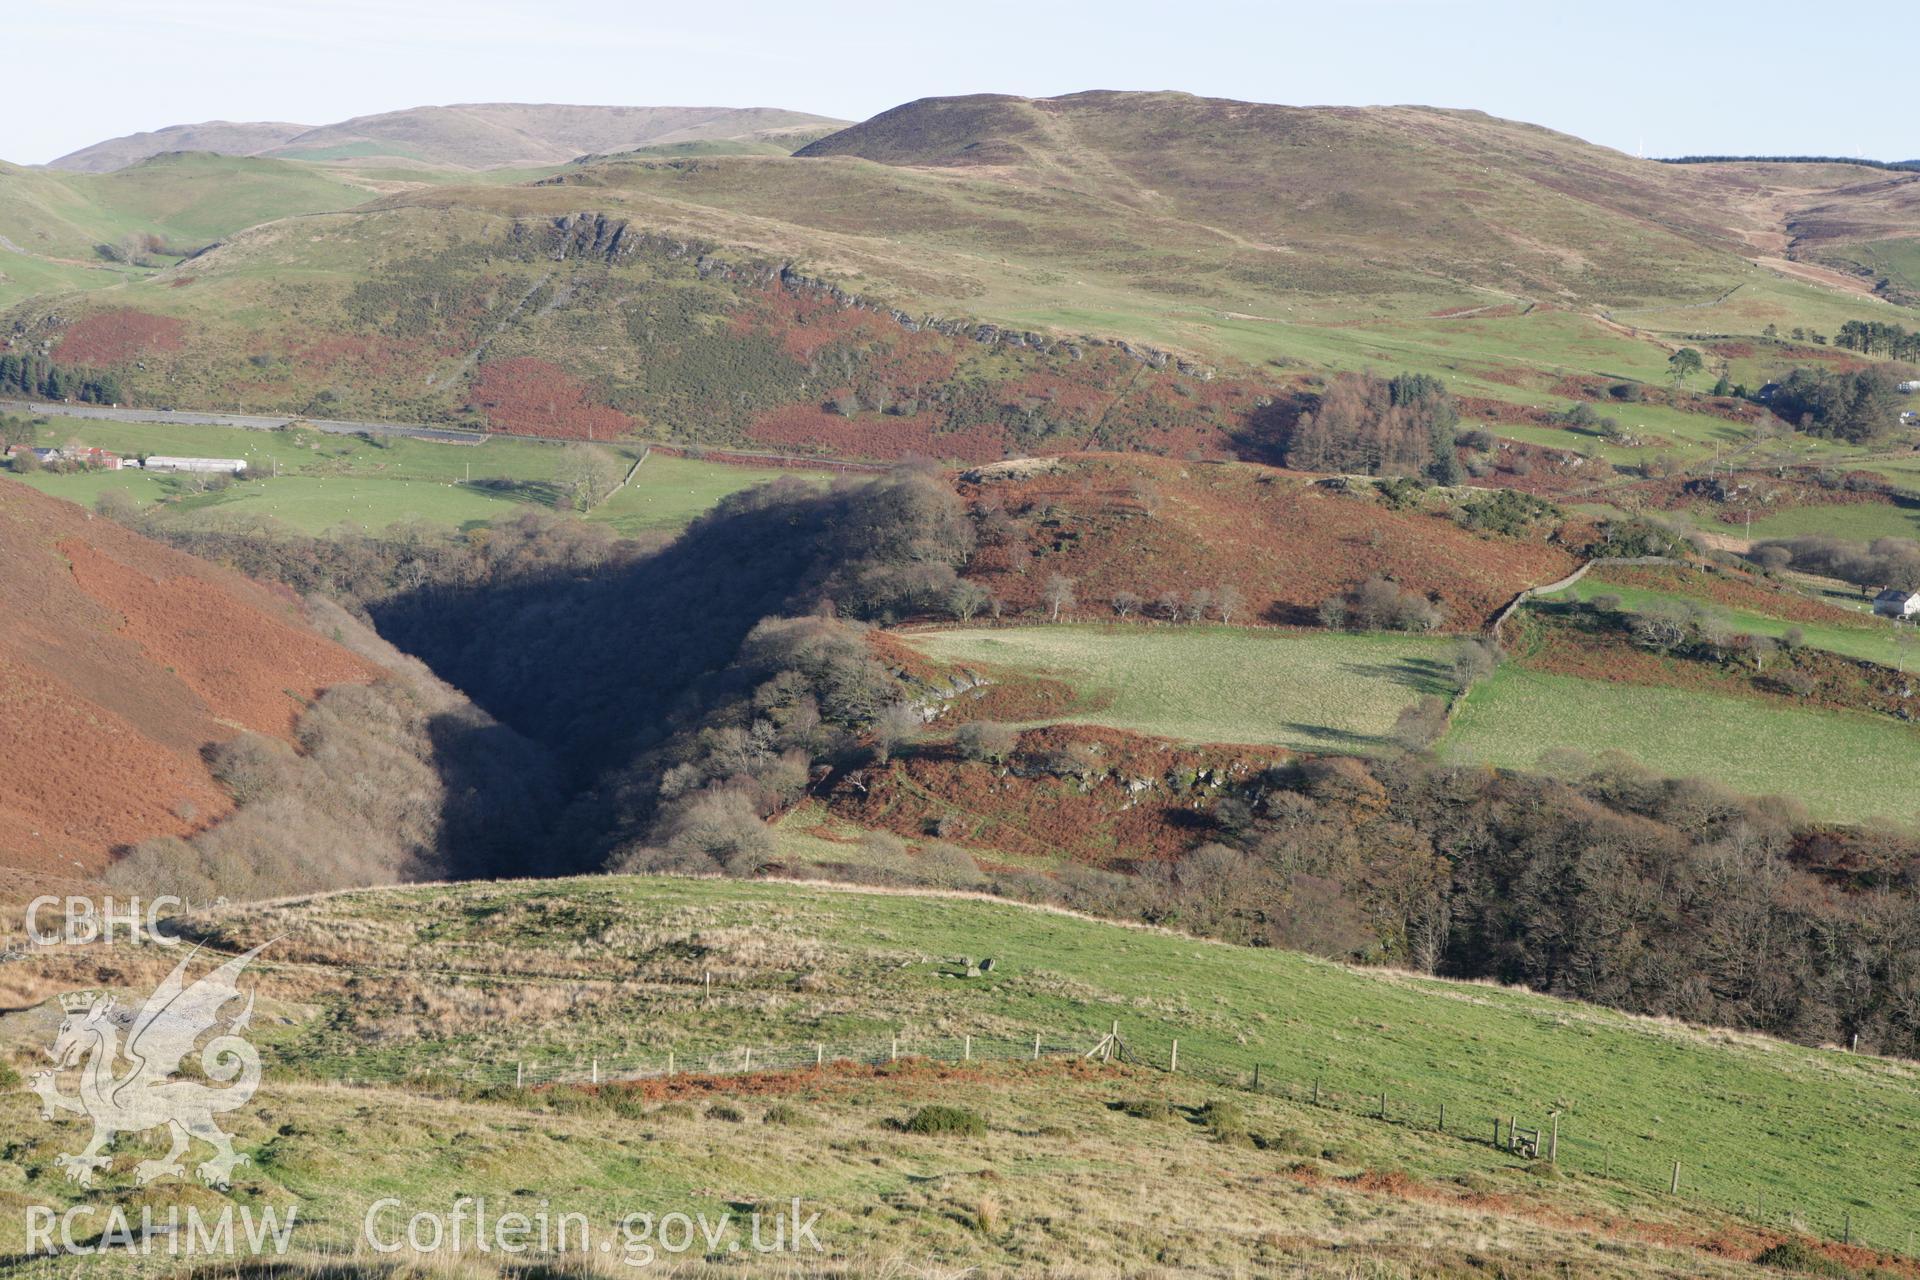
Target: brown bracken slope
(120,659)
(1146,525)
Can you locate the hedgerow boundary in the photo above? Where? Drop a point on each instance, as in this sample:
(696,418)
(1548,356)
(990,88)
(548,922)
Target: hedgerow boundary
(1528,1132)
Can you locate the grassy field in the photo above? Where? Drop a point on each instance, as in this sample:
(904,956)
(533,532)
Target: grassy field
(326,481)
(1305,691)
(1854,521)
(415,988)
(669,491)
(56,221)
(1846,767)
(1867,638)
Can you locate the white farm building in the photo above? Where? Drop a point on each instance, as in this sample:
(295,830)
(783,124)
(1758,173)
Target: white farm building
(213,466)
(1897,603)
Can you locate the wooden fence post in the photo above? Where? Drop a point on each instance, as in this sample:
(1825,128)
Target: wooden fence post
(1496,1133)
(596,1071)
(966,1051)
(1443,1117)
(1673,1188)
(893,1054)
(1036,1046)
(519,1070)
(1173,1059)
(709,981)
(819,1055)
(749,1049)
(1511,1119)
(1553,1142)
(1383,1104)
(1256,1077)
(669,1062)
(1846,1223)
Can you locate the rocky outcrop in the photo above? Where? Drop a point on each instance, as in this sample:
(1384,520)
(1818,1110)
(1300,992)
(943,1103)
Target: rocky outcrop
(596,236)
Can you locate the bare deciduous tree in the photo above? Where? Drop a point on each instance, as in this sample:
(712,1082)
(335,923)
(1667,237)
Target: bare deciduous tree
(896,724)
(587,474)
(985,740)
(967,599)
(1058,594)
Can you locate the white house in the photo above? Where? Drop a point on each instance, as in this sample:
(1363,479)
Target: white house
(229,466)
(1896,602)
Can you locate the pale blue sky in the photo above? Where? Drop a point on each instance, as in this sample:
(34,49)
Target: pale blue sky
(1677,77)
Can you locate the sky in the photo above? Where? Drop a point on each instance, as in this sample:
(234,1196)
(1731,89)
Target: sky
(1671,78)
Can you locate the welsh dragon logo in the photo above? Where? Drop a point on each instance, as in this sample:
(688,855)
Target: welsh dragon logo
(144,1095)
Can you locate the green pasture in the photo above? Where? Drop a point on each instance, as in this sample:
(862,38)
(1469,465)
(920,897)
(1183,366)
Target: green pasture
(668,492)
(1813,1131)
(1852,521)
(1845,766)
(1307,691)
(314,482)
(1868,639)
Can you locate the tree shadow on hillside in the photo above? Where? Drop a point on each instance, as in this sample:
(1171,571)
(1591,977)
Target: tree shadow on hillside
(599,664)
(502,796)
(1265,434)
(1282,614)
(543,493)
(1328,738)
(1423,674)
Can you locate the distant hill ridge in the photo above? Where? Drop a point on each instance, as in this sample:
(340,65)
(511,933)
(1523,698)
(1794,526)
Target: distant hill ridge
(1855,160)
(1263,241)
(482,135)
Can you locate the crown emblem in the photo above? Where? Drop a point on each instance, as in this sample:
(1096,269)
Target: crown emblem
(78,1001)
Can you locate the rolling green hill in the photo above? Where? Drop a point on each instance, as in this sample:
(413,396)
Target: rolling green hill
(432,1000)
(87,231)
(1263,241)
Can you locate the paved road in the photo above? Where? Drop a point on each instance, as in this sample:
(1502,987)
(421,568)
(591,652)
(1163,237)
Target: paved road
(250,421)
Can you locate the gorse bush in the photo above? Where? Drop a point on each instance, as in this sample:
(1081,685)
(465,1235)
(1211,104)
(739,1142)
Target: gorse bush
(1507,512)
(942,1119)
(1224,1116)
(1802,1257)
(785,1113)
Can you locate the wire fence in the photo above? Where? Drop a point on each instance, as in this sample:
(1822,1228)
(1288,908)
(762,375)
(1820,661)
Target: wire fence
(738,1060)
(1527,1131)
